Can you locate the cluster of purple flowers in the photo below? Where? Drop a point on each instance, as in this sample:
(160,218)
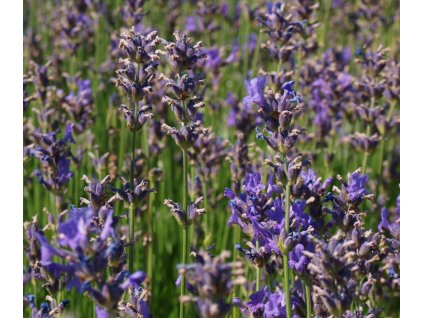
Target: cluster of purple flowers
(211,280)
(88,255)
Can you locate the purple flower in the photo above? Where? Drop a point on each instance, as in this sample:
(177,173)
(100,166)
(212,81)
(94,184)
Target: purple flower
(393,228)
(252,183)
(54,155)
(68,134)
(266,304)
(100,312)
(213,58)
(211,280)
(297,260)
(138,304)
(229,193)
(190,24)
(233,55)
(289,87)
(182,54)
(134,280)
(355,189)
(46,249)
(74,232)
(80,105)
(275,305)
(255,89)
(63,171)
(257,300)
(303,219)
(47,310)
(313,182)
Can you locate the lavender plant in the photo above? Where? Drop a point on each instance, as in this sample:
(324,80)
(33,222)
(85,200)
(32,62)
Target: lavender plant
(135,78)
(182,56)
(312,179)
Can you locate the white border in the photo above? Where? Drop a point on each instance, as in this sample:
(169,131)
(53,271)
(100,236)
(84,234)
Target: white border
(411,158)
(11,158)
(11,194)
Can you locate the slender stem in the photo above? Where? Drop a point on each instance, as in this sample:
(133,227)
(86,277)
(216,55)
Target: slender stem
(366,153)
(131,237)
(287,198)
(286,286)
(368,130)
(148,165)
(132,160)
(236,240)
(185,228)
(258,272)
(206,204)
(308,299)
(150,245)
(285,256)
(60,294)
(258,276)
(326,13)
(132,206)
(365,160)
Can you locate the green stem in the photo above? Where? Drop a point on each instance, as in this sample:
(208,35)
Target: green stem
(206,205)
(380,163)
(132,209)
(148,164)
(287,198)
(185,228)
(150,245)
(236,240)
(326,13)
(366,153)
(365,160)
(285,256)
(132,206)
(368,131)
(308,299)
(131,237)
(258,272)
(286,286)
(258,276)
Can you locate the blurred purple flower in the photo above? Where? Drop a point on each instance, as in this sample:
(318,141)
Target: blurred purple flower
(255,89)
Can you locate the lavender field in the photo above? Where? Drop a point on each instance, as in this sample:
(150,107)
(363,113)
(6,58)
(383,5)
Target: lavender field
(211,159)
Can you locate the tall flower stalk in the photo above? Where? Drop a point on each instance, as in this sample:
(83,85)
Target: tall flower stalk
(136,77)
(277,111)
(185,227)
(182,55)
(285,255)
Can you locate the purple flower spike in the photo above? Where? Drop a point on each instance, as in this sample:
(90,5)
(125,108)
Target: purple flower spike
(211,280)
